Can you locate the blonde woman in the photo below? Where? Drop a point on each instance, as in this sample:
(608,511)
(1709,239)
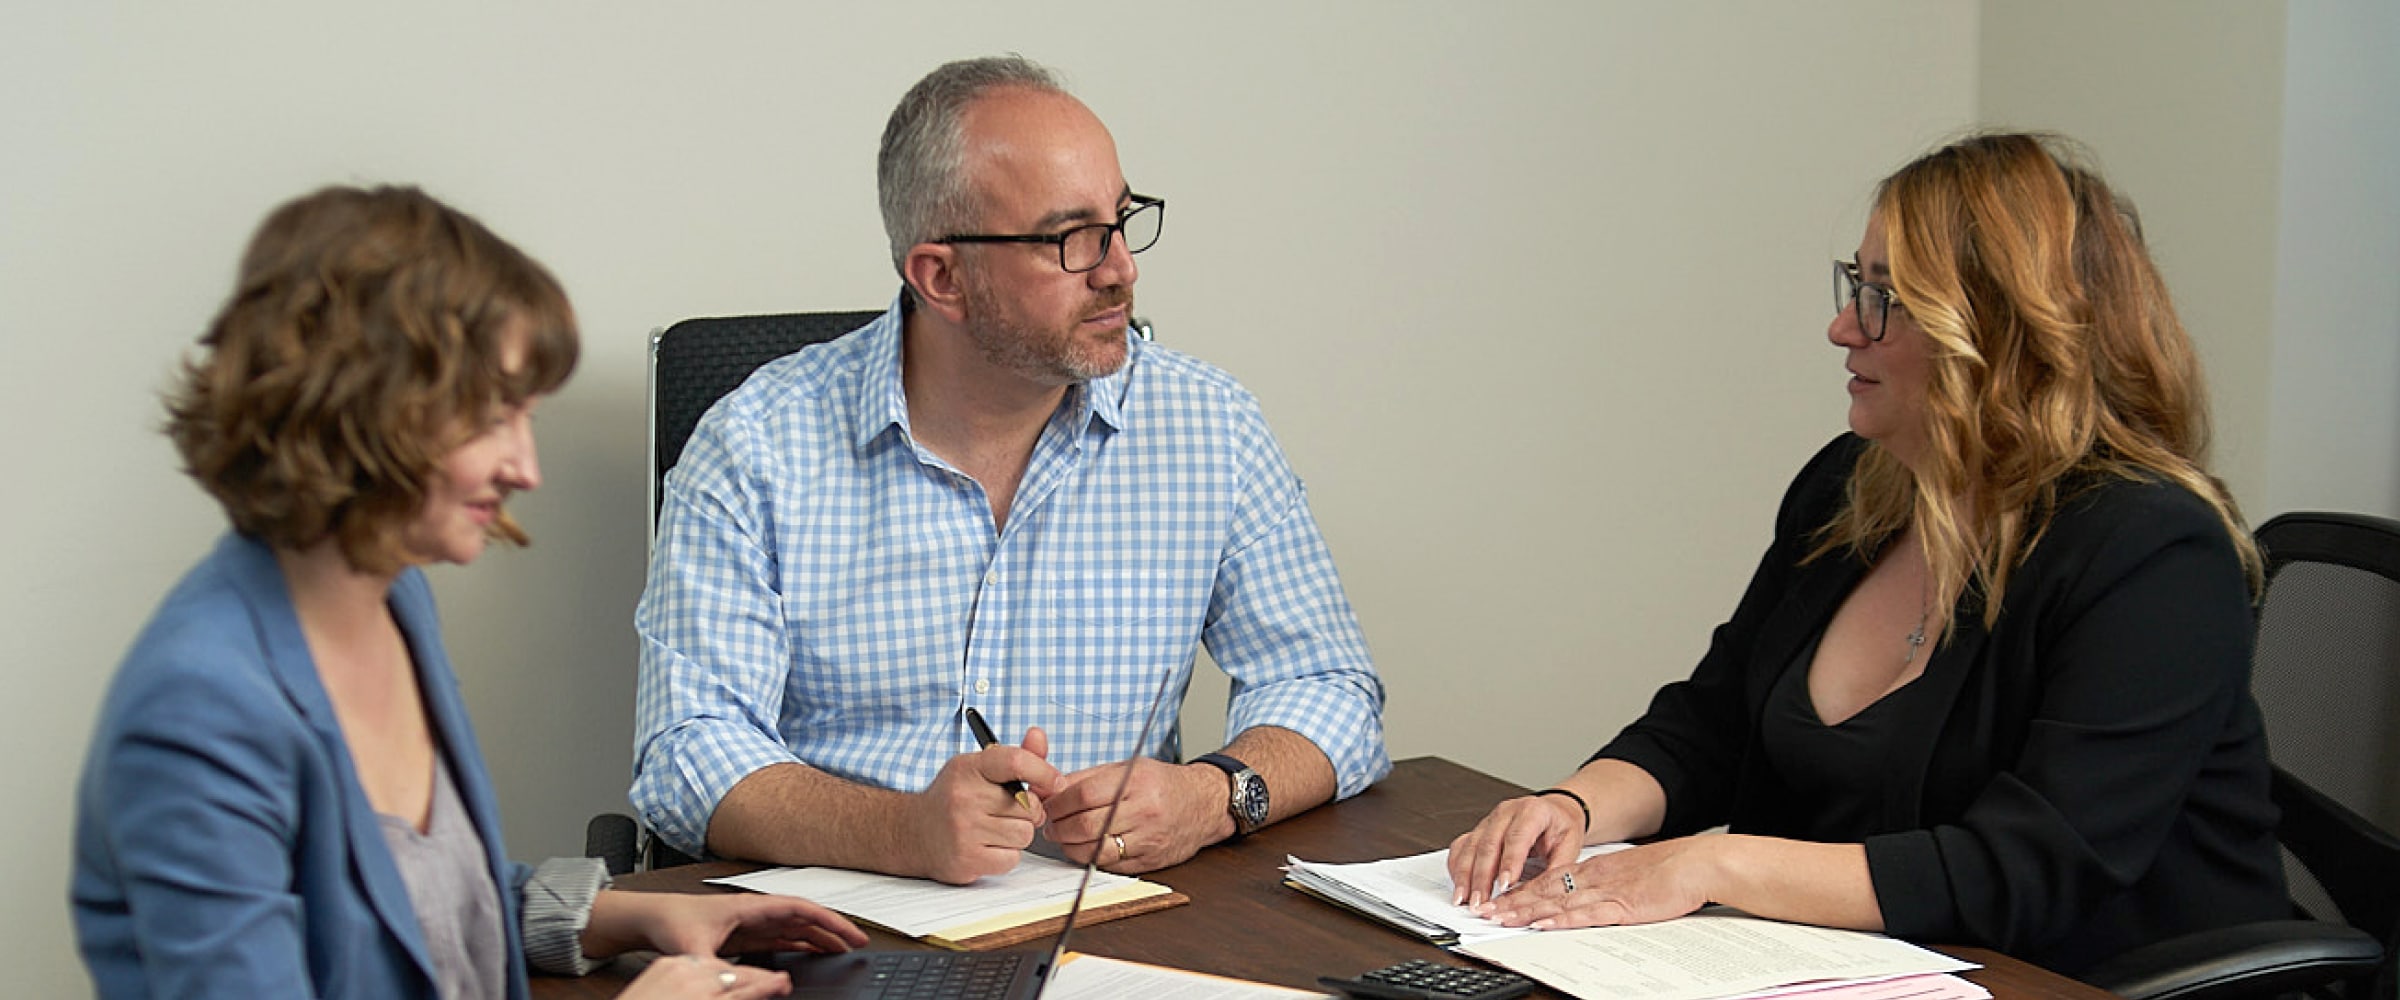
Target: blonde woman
(1990,685)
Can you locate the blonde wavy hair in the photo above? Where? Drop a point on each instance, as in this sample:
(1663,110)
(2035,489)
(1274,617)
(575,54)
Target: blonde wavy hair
(367,333)
(2057,359)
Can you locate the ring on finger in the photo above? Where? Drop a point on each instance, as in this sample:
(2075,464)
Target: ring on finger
(725,981)
(1120,839)
(1567,879)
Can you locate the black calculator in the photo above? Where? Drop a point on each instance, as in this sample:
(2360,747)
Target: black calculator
(1418,979)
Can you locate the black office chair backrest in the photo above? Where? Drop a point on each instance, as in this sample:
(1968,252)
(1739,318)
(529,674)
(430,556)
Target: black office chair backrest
(696,362)
(2327,675)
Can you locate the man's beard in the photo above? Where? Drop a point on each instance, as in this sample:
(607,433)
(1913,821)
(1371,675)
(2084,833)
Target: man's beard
(1051,356)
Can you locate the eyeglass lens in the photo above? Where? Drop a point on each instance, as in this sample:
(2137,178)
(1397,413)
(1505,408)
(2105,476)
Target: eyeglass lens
(1873,304)
(1086,246)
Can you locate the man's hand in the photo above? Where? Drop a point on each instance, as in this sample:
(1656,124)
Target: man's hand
(966,826)
(1170,812)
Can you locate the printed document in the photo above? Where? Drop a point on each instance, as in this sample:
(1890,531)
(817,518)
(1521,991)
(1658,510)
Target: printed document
(1716,954)
(1931,986)
(1038,888)
(1411,894)
(1710,954)
(1090,977)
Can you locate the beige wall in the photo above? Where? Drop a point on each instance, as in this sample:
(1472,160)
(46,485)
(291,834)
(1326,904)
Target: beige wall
(2183,104)
(1534,294)
(2334,418)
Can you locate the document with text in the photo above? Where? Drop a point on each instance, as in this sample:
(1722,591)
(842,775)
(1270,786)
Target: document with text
(1930,986)
(1410,894)
(1090,977)
(1711,954)
(1716,954)
(1038,888)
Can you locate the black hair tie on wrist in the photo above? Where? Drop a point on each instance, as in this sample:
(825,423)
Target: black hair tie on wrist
(1579,804)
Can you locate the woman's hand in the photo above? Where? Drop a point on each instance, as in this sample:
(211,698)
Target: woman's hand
(708,925)
(1638,885)
(679,976)
(1488,860)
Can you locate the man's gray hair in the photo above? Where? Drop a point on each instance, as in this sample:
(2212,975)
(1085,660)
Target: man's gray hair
(920,170)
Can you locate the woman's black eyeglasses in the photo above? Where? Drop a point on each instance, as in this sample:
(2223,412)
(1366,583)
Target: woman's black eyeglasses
(1874,301)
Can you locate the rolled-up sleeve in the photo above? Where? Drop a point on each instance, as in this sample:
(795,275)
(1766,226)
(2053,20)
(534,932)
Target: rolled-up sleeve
(1280,626)
(557,906)
(714,651)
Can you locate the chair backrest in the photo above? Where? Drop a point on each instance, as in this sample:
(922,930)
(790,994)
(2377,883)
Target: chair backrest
(696,362)
(2327,675)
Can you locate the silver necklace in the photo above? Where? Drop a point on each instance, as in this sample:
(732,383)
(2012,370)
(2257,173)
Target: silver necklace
(1916,636)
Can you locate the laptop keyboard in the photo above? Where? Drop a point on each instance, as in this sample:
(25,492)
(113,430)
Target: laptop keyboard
(968,975)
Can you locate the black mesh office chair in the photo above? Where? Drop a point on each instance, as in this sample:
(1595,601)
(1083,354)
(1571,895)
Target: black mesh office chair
(693,364)
(696,362)
(2327,675)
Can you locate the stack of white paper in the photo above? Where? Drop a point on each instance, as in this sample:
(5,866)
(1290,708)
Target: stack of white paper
(1090,977)
(1038,888)
(1716,954)
(1410,894)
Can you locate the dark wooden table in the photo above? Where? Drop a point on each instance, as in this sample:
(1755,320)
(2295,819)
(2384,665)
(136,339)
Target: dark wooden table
(1243,922)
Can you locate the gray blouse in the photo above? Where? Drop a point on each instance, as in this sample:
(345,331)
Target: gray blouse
(449,879)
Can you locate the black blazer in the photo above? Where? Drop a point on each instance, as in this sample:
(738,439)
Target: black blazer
(2098,780)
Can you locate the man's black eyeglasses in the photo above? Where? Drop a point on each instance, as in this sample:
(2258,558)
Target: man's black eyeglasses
(1874,301)
(1083,248)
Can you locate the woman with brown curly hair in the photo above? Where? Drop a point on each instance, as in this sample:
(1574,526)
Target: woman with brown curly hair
(283,796)
(1990,685)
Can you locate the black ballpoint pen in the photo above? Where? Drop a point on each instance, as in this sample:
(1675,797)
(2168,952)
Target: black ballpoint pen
(984,737)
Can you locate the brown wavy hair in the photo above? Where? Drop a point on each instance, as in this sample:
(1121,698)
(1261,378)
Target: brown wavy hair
(368,332)
(2056,359)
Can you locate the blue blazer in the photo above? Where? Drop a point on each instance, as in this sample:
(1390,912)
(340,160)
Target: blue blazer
(223,844)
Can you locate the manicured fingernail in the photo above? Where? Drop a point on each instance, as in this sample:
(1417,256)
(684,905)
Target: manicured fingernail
(1540,925)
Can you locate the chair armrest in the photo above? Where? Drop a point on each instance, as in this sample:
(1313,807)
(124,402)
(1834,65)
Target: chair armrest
(2262,959)
(614,838)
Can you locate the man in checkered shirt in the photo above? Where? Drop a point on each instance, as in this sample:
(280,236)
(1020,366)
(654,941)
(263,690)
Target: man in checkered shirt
(993,497)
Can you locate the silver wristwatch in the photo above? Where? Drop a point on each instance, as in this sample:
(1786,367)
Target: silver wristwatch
(1248,799)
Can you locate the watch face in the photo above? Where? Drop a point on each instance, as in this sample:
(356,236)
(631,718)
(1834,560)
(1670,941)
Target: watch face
(1253,799)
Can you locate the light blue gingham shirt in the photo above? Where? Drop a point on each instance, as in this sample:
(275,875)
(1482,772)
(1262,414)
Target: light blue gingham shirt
(810,590)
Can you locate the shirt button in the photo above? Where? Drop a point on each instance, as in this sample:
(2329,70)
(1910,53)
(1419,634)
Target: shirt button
(983,685)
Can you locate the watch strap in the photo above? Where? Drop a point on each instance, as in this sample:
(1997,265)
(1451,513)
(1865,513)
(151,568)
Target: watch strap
(1237,774)
(1221,762)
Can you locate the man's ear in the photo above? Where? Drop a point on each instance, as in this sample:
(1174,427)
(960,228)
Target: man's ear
(932,272)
